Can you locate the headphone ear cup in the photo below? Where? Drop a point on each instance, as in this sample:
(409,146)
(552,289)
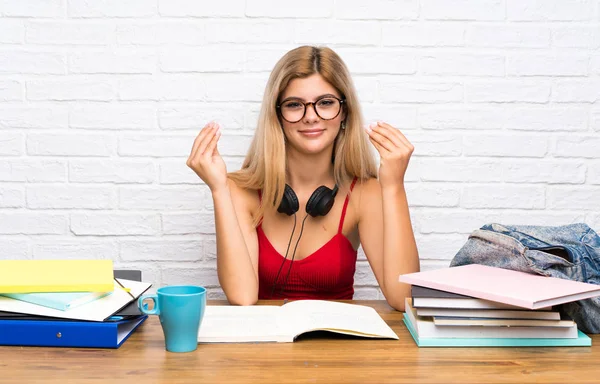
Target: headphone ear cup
(321,201)
(289,203)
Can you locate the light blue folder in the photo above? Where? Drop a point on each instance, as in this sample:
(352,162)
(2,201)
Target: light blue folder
(58,300)
(581,341)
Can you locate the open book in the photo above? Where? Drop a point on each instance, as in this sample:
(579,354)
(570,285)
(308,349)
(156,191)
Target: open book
(269,323)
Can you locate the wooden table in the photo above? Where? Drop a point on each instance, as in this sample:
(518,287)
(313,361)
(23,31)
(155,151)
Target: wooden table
(326,359)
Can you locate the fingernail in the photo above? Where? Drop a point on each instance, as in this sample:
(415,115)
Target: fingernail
(379,122)
(373,125)
(368,129)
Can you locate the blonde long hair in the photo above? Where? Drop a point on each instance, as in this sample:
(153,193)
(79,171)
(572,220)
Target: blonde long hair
(265,164)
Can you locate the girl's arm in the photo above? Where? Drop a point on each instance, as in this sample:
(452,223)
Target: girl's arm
(385,227)
(237,243)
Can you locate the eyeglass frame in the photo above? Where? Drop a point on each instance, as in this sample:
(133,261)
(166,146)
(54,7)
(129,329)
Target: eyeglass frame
(314,105)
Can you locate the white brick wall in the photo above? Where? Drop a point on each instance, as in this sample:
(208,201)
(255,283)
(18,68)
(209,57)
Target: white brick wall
(100,102)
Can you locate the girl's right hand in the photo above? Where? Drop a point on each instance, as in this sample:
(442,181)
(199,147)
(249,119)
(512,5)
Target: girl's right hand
(205,159)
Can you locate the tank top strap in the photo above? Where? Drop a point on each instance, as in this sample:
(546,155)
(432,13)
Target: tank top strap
(346,206)
(259,202)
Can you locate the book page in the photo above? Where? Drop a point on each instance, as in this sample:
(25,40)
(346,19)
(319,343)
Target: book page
(474,321)
(232,323)
(353,319)
(125,329)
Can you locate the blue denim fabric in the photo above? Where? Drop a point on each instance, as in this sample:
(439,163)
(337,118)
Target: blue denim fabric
(568,252)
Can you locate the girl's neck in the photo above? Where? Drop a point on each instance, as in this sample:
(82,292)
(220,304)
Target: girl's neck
(309,171)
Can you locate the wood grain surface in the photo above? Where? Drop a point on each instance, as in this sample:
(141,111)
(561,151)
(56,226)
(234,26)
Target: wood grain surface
(314,358)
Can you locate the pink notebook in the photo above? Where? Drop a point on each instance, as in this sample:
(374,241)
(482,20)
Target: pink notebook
(503,285)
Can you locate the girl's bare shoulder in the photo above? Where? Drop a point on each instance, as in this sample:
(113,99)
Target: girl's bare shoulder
(365,191)
(245,197)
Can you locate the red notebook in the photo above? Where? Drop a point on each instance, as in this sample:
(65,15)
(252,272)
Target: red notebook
(503,285)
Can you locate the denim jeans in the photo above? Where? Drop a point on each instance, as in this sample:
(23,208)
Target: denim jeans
(568,252)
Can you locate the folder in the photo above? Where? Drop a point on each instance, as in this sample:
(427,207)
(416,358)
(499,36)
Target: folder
(582,340)
(505,286)
(26,276)
(130,310)
(58,300)
(97,310)
(66,333)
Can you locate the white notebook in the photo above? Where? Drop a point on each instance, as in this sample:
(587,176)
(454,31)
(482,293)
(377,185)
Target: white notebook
(269,323)
(425,327)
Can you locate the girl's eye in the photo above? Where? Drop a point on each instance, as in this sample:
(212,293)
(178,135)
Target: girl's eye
(326,102)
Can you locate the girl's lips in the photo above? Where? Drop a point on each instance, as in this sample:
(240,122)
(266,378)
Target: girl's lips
(312,132)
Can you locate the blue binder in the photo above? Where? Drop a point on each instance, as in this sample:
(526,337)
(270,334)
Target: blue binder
(66,333)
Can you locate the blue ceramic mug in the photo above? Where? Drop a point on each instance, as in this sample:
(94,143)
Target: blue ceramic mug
(180,309)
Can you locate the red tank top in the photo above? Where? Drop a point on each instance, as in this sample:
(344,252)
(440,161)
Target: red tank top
(326,274)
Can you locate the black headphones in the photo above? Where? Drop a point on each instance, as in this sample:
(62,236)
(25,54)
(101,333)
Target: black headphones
(319,203)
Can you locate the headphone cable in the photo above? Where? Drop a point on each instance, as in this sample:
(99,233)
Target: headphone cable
(284,259)
(293,254)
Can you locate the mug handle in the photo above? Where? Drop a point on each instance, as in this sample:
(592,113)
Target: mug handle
(144,308)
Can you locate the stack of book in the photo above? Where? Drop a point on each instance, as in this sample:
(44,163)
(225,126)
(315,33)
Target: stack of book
(479,306)
(68,303)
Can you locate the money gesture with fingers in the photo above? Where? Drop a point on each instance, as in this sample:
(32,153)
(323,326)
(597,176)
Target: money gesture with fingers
(205,159)
(394,152)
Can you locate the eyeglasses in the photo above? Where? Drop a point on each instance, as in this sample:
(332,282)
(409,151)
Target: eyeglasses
(326,107)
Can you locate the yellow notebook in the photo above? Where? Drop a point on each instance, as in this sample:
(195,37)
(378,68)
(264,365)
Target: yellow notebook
(26,276)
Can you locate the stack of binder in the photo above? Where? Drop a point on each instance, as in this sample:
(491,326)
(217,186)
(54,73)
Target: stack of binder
(96,308)
(479,306)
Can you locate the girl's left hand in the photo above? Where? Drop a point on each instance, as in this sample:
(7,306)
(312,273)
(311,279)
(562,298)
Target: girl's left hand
(394,151)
